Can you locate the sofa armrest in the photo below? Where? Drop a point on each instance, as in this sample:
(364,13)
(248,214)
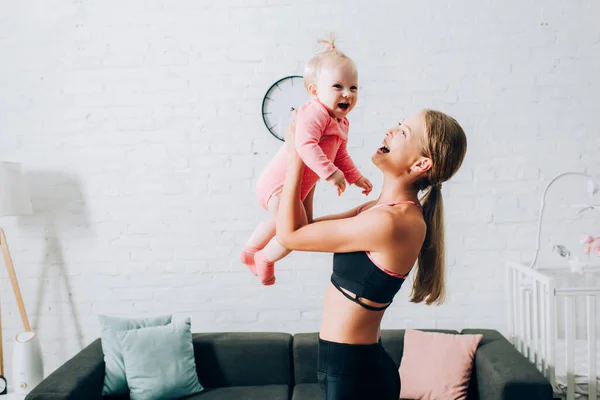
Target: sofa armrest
(503,373)
(82,377)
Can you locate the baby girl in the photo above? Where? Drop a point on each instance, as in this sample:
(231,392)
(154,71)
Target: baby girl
(331,80)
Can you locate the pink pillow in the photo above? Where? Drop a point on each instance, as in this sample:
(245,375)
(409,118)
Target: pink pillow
(436,365)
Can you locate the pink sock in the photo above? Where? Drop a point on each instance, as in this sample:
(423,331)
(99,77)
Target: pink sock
(265,269)
(247,257)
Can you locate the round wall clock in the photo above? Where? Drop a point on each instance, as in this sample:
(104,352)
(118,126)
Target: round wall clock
(282,97)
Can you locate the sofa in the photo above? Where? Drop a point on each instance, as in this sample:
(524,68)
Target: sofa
(281,366)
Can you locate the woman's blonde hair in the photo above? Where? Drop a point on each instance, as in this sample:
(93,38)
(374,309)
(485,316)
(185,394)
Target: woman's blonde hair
(445,143)
(328,56)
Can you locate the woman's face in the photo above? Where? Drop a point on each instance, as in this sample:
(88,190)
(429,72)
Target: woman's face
(402,145)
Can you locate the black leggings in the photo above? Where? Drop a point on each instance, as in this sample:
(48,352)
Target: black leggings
(357,372)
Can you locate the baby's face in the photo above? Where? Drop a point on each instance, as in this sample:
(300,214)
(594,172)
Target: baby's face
(337,88)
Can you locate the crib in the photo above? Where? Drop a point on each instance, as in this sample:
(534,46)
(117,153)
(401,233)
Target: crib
(538,309)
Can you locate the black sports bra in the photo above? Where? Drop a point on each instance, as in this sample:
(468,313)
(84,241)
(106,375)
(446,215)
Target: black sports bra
(358,273)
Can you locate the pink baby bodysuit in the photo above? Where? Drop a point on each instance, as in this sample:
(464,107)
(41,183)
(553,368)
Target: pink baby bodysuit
(321,143)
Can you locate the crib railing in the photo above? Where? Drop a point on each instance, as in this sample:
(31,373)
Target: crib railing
(532,316)
(590,295)
(532,322)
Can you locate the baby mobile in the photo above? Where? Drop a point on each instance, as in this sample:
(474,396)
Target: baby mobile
(591,244)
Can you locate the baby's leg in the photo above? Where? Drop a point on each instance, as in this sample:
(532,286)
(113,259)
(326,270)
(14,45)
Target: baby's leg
(265,259)
(263,233)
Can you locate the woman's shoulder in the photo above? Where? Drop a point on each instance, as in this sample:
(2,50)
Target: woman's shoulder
(410,223)
(405,219)
(366,206)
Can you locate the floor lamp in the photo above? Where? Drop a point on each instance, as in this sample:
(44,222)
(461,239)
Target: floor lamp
(27,361)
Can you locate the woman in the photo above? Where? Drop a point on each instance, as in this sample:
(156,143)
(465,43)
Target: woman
(375,246)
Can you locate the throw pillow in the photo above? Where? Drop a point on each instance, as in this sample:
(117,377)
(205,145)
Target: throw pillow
(115,382)
(436,365)
(159,361)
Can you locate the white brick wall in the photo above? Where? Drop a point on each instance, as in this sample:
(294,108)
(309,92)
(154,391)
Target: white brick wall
(138,122)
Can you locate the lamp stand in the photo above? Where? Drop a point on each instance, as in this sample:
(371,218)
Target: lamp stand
(27,356)
(13,280)
(3,382)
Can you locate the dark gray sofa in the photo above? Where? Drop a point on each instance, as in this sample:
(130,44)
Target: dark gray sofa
(280,366)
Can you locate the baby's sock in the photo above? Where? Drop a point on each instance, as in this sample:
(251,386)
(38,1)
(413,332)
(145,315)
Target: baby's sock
(247,257)
(265,269)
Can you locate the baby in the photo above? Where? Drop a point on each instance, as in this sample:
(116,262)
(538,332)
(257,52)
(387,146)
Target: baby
(331,80)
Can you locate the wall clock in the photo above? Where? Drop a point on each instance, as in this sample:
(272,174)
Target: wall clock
(284,95)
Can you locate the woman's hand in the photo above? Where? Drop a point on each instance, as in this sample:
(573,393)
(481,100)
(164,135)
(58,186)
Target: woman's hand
(292,214)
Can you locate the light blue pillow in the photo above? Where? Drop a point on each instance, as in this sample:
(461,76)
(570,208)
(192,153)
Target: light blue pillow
(115,382)
(159,361)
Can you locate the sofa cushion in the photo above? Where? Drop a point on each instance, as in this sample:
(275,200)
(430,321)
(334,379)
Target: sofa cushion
(310,391)
(159,361)
(115,380)
(392,341)
(270,392)
(437,365)
(243,359)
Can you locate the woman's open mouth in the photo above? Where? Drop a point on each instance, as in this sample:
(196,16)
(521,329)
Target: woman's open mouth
(383,149)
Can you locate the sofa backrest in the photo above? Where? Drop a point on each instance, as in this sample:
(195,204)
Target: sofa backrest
(305,357)
(243,359)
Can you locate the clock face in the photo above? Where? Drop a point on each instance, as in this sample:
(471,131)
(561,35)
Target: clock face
(284,95)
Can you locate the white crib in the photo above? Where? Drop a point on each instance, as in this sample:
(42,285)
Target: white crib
(571,364)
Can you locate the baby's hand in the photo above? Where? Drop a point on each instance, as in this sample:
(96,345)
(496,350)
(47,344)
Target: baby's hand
(337,179)
(364,184)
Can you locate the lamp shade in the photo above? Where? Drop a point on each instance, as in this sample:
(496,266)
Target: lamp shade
(14,194)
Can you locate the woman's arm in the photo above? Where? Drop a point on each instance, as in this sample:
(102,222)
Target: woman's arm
(308,204)
(370,232)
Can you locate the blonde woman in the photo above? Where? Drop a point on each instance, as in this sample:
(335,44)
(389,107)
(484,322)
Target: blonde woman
(374,248)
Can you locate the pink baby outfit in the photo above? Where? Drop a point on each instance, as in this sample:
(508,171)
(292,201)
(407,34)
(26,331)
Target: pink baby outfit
(321,143)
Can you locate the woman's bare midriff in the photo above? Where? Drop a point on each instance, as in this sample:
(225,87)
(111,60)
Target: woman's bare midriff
(347,322)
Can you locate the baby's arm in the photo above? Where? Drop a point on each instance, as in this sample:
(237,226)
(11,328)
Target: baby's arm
(344,162)
(310,125)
